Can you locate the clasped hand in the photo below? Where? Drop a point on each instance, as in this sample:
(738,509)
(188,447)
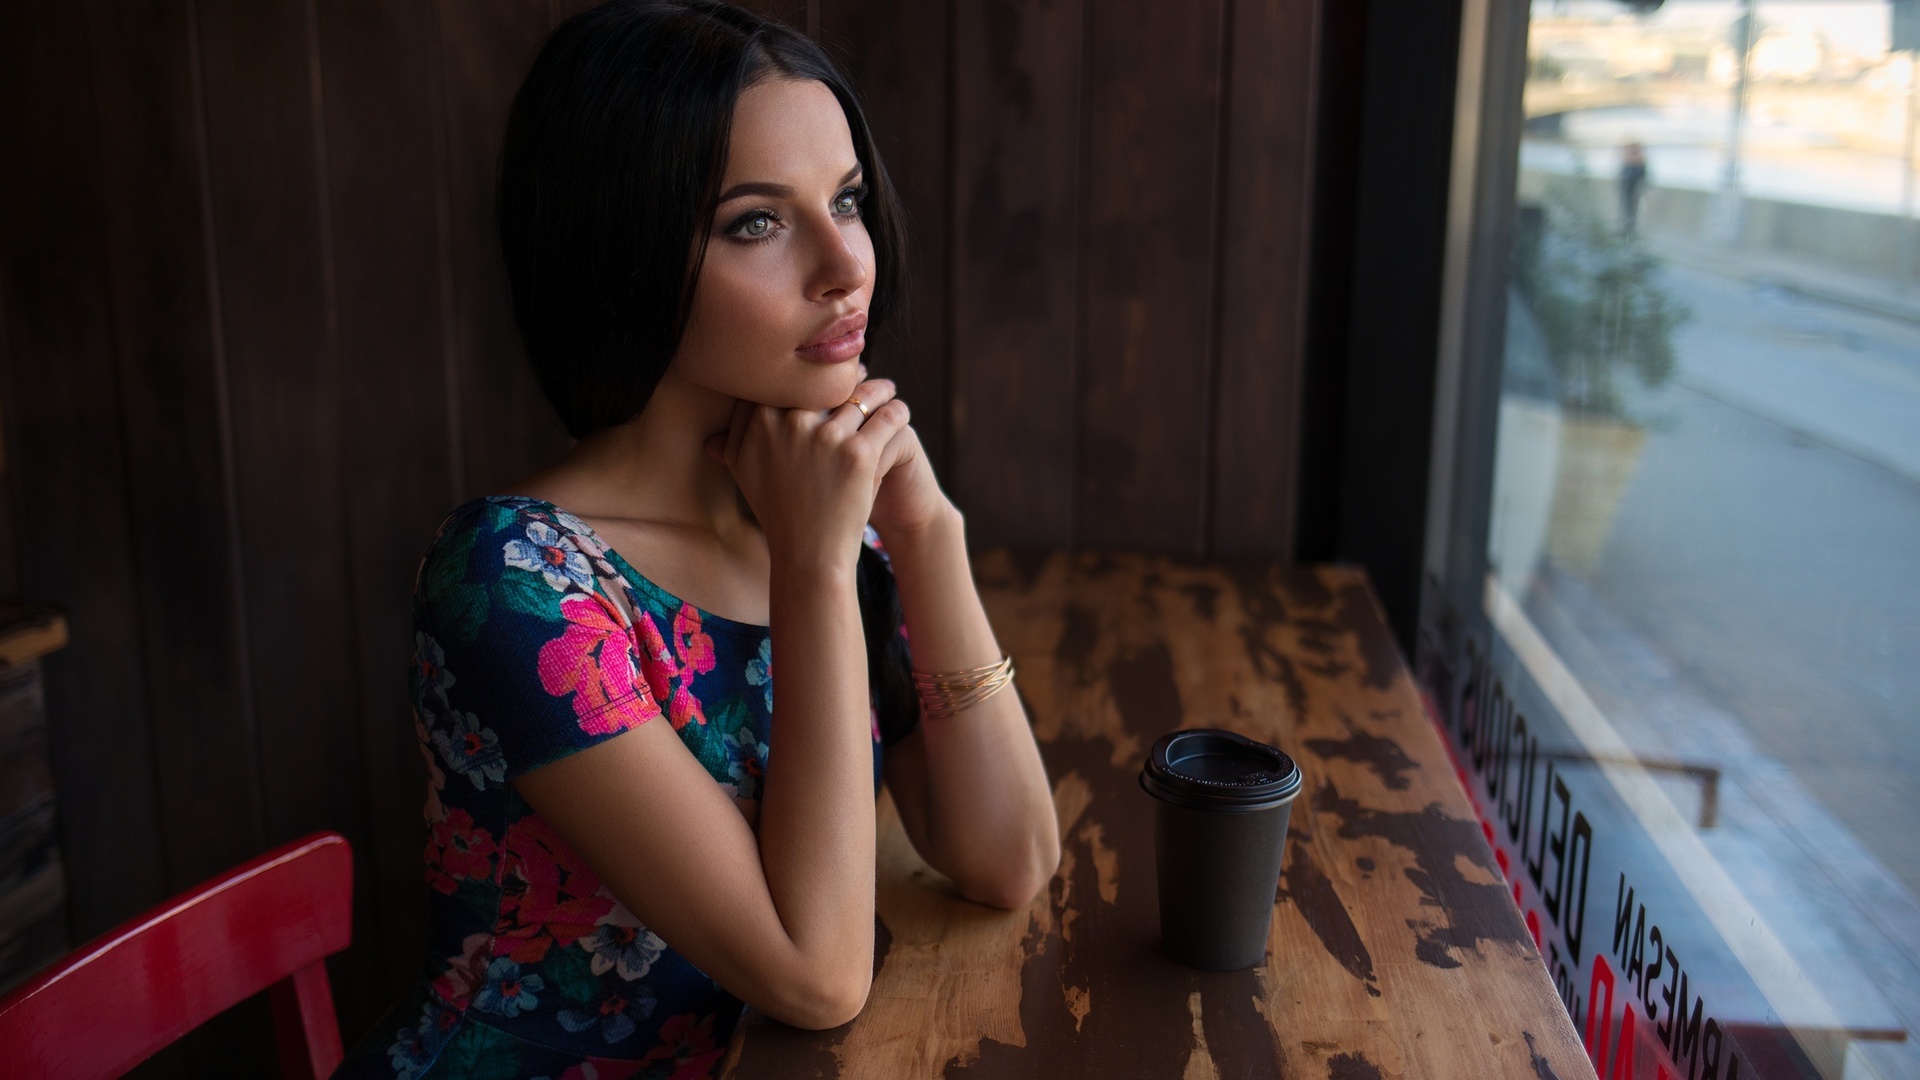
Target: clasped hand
(815,478)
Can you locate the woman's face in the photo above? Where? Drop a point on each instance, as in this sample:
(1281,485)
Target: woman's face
(780,308)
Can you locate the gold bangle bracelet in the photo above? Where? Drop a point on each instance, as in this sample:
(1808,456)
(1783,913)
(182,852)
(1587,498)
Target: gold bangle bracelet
(948,693)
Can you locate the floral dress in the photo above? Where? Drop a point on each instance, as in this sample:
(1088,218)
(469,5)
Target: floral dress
(533,639)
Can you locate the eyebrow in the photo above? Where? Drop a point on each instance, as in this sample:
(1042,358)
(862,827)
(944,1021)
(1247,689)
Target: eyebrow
(773,191)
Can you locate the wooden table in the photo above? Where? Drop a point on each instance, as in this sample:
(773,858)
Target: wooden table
(1395,950)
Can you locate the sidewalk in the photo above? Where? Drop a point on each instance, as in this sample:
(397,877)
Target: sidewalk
(1796,274)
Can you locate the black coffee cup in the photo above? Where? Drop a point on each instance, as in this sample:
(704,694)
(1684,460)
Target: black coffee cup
(1220,827)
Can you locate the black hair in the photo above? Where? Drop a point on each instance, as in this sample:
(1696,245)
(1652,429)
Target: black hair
(610,173)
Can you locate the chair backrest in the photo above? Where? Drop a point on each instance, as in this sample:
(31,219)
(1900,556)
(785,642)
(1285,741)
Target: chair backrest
(270,922)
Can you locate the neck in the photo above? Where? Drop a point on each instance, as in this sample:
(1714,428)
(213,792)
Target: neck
(655,467)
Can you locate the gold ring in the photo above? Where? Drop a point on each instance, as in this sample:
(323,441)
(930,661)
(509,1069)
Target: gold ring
(858,404)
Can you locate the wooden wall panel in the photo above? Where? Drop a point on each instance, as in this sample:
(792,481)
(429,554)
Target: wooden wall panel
(68,462)
(504,421)
(271,224)
(1016,204)
(182,524)
(385,177)
(896,53)
(1267,196)
(802,15)
(1150,185)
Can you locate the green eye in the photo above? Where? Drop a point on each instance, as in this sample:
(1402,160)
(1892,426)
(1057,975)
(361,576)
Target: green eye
(758,225)
(846,203)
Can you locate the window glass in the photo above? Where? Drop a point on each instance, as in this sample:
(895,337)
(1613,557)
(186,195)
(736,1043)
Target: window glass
(1691,715)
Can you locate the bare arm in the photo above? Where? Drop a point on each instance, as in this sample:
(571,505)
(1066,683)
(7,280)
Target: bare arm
(783,920)
(971,789)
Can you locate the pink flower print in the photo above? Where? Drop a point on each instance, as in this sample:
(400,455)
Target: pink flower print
(655,660)
(694,645)
(549,896)
(687,1041)
(695,649)
(465,973)
(685,708)
(591,662)
(457,851)
(670,676)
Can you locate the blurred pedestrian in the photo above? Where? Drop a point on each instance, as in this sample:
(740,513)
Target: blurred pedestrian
(1633,178)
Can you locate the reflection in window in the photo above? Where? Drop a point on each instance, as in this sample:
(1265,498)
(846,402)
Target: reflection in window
(1706,505)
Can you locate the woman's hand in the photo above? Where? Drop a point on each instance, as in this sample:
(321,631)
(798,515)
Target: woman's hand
(909,498)
(811,477)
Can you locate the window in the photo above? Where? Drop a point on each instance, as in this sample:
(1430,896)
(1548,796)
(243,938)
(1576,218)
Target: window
(1671,625)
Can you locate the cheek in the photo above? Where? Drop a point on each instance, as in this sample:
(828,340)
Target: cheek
(747,317)
(738,318)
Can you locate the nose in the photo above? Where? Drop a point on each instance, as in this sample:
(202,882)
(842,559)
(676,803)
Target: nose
(841,266)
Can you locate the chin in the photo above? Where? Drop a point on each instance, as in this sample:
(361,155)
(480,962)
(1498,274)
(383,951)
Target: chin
(817,388)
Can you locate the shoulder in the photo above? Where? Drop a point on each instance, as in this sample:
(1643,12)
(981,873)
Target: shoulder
(501,559)
(515,626)
(513,540)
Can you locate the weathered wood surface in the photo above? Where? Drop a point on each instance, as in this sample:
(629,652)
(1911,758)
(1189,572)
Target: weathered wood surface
(1395,951)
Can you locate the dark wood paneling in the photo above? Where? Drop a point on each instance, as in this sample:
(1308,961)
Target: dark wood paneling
(171,377)
(802,15)
(1267,198)
(896,53)
(266,156)
(1153,82)
(506,426)
(384,179)
(1016,155)
(560,10)
(67,455)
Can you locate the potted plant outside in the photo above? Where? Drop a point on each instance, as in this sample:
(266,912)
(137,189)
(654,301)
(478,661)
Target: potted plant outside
(1607,323)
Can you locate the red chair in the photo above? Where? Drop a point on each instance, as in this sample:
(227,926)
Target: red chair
(112,1003)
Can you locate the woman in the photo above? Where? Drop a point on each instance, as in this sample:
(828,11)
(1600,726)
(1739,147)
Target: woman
(626,845)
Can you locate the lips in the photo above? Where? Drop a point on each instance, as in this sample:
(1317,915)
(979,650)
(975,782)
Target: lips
(841,341)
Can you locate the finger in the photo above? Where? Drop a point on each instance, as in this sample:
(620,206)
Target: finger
(900,450)
(873,394)
(885,423)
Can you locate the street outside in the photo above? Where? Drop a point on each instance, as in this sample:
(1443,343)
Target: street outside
(1769,543)
(1749,608)
(1757,601)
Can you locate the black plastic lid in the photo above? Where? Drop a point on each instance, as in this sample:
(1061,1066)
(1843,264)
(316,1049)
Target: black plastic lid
(1210,769)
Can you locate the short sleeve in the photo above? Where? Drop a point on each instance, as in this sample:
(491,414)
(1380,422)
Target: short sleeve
(896,706)
(522,655)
